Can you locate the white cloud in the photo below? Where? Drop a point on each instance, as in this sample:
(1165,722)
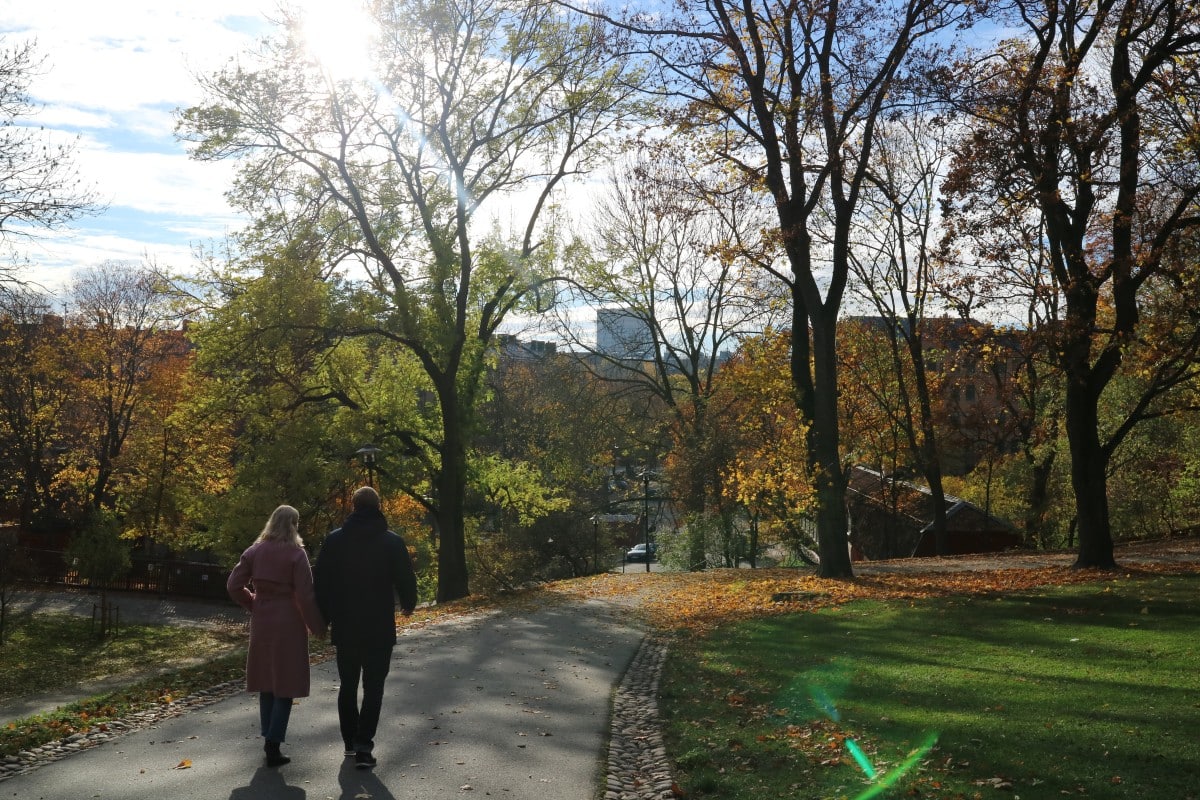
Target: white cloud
(58,257)
(65,117)
(113,75)
(159,183)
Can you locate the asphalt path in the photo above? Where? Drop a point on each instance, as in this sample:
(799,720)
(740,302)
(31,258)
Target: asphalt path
(511,705)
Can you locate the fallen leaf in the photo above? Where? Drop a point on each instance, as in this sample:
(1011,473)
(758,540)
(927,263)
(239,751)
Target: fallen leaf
(185,764)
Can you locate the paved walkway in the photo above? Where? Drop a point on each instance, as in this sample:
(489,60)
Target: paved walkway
(516,705)
(506,705)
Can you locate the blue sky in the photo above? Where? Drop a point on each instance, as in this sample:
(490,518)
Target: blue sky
(113,75)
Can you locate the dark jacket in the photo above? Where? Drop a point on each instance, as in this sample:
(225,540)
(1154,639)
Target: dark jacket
(361,569)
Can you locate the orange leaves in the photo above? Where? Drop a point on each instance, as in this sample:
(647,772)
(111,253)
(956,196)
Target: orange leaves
(767,472)
(185,764)
(698,600)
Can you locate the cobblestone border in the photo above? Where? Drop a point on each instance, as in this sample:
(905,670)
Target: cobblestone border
(31,759)
(638,768)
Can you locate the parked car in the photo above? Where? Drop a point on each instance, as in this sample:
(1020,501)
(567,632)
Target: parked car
(638,552)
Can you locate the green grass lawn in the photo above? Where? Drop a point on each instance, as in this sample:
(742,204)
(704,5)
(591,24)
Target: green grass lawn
(1090,690)
(49,652)
(154,664)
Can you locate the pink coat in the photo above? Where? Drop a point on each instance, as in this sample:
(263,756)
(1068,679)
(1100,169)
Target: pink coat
(274,582)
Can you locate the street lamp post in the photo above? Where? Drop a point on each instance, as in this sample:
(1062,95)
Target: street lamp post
(595,543)
(368,452)
(646,514)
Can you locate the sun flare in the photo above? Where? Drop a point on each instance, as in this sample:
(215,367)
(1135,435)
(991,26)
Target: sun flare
(338,35)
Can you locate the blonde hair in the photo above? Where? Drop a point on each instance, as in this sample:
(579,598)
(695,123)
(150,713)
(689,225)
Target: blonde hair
(283,526)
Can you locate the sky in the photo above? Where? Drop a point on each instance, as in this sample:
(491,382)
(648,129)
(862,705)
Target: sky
(113,75)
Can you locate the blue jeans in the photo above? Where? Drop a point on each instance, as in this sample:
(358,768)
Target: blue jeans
(370,663)
(273,713)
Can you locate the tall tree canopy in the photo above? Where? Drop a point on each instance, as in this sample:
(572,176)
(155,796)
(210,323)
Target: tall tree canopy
(470,108)
(1091,117)
(789,94)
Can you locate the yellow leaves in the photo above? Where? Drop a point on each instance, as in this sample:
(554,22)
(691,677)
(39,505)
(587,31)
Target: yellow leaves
(185,764)
(700,600)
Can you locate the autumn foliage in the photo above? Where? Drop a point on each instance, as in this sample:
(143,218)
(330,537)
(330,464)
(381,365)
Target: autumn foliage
(694,602)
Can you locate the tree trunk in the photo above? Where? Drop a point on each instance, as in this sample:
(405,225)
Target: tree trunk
(832,521)
(1089,467)
(937,493)
(452,583)
(1037,499)
(753,556)
(927,448)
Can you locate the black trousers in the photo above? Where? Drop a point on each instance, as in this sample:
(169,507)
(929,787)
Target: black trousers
(370,664)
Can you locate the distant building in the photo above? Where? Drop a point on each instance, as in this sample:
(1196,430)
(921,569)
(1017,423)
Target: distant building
(624,334)
(894,519)
(513,348)
(970,405)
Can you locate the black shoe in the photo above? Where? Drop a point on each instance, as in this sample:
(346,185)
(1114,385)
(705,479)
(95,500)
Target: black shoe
(274,757)
(364,760)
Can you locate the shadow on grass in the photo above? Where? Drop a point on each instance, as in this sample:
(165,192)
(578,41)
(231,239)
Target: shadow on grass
(1087,688)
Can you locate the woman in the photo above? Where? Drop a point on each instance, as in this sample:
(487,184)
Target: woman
(274,582)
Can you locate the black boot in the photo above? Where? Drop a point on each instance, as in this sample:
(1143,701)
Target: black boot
(274,757)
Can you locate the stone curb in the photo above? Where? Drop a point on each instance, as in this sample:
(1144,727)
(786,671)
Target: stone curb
(29,760)
(638,768)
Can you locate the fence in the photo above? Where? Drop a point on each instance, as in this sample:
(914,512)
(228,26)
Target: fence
(164,576)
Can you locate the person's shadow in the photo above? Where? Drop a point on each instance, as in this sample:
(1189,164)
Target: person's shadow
(361,784)
(267,784)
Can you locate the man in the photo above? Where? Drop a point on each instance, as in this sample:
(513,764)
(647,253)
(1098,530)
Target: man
(360,570)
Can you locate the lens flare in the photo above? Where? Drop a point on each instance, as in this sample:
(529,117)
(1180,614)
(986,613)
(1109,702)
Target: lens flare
(819,692)
(864,763)
(899,771)
(824,702)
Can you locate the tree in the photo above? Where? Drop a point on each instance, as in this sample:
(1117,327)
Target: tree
(291,403)
(767,473)
(38,386)
(14,568)
(101,556)
(177,461)
(507,547)
(546,412)
(39,186)
(1093,116)
(668,262)
(789,95)
(124,333)
(997,242)
(474,107)
(896,264)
